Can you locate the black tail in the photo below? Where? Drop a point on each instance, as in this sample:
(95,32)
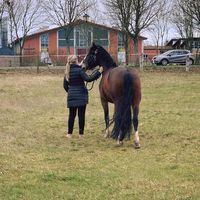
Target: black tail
(122,117)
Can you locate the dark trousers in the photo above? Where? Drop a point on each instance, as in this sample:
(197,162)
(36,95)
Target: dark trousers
(81,119)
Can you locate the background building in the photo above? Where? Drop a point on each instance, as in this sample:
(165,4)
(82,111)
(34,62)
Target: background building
(192,44)
(76,39)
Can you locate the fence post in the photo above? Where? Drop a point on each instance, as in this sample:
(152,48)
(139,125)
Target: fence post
(141,61)
(187,63)
(37,65)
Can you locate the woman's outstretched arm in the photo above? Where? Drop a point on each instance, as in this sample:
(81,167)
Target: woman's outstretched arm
(89,78)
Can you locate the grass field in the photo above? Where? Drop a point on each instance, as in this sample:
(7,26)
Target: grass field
(38,163)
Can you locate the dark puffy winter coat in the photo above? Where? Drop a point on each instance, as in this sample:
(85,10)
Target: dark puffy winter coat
(77,91)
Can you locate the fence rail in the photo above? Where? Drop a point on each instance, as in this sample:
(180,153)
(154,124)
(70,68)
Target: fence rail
(61,60)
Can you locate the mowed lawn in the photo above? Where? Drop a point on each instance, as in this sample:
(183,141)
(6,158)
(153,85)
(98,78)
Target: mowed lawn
(38,163)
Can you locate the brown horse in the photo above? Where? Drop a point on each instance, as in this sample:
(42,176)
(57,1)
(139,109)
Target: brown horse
(121,86)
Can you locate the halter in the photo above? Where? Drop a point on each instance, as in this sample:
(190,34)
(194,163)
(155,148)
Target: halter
(94,59)
(95,55)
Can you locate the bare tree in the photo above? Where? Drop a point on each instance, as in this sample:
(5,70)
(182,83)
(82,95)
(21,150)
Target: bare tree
(3,39)
(23,16)
(191,8)
(133,16)
(160,27)
(184,22)
(2,9)
(120,12)
(145,12)
(65,13)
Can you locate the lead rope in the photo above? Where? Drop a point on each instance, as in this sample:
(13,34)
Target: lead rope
(91,86)
(92,81)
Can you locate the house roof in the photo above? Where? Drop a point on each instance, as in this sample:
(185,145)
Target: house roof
(180,41)
(79,22)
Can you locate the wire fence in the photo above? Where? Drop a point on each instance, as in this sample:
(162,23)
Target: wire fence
(139,60)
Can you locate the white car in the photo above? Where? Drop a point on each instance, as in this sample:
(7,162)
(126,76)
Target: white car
(178,56)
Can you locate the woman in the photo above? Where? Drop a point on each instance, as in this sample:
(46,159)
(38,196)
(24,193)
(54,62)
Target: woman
(77,92)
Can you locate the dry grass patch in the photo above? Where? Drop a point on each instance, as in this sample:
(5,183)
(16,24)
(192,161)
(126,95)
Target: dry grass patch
(38,162)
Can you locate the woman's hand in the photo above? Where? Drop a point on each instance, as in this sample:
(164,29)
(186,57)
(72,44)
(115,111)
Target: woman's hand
(100,69)
(81,63)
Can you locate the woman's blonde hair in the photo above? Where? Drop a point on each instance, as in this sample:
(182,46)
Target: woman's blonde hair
(72,59)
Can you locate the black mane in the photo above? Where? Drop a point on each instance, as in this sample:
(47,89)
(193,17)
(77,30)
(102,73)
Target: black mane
(107,60)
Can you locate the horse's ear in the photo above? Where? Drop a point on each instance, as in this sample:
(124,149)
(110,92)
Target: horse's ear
(93,44)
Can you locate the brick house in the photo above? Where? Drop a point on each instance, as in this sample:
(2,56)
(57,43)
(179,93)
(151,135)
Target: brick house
(80,36)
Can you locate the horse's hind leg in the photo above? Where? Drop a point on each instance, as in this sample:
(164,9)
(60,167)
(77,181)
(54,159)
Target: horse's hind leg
(135,124)
(106,116)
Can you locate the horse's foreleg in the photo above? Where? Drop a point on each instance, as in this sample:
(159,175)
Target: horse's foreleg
(106,116)
(135,124)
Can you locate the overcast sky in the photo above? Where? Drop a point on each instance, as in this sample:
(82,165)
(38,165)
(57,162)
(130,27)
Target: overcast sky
(100,14)
(104,19)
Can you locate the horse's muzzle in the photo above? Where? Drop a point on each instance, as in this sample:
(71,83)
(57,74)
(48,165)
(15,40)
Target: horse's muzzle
(84,65)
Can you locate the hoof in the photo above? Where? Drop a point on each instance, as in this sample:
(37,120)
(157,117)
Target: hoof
(136,145)
(68,136)
(107,133)
(119,143)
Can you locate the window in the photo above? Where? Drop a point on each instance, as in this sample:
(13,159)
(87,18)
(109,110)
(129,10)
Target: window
(44,39)
(66,37)
(196,44)
(179,53)
(4,38)
(173,53)
(185,52)
(100,36)
(83,35)
(120,40)
(83,38)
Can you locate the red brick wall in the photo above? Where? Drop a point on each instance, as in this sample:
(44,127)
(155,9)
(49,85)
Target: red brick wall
(140,46)
(63,51)
(113,48)
(113,44)
(151,52)
(53,43)
(131,50)
(133,57)
(31,46)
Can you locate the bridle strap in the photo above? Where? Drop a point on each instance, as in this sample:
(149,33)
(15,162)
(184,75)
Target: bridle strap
(92,81)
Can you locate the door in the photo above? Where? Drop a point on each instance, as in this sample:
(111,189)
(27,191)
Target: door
(172,57)
(181,58)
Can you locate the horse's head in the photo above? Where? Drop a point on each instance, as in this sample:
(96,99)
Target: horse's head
(91,60)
